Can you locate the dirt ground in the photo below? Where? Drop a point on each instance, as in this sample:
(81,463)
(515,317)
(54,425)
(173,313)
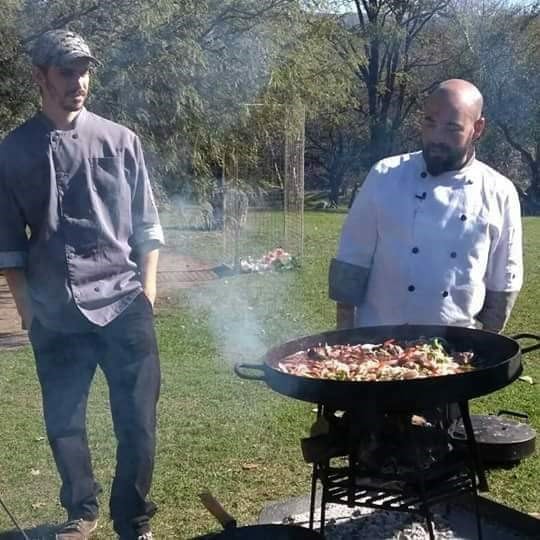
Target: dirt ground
(174,272)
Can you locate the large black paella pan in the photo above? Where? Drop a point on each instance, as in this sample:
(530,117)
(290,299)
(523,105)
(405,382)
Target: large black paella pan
(496,362)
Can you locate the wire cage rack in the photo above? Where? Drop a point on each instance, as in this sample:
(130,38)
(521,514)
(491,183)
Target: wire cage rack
(263,191)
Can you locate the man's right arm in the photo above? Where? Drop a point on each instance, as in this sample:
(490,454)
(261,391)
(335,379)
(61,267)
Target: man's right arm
(347,286)
(13,239)
(16,280)
(349,270)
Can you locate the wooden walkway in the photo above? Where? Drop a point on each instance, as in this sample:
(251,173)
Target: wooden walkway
(177,271)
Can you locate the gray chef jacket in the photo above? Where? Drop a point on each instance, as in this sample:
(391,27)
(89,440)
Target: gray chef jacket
(75,206)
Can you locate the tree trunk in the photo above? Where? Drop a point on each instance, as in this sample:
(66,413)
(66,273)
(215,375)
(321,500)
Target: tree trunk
(335,185)
(532,204)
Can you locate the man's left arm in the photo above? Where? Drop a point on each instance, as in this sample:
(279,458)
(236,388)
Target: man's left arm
(505,268)
(147,235)
(496,310)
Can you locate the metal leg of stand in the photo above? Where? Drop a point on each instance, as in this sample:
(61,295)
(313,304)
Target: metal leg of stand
(323,507)
(429,523)
(314,477)
(352,481)
(473,448)
(323,476)
(479,533)
(423,496)
(478,516)
(426,510)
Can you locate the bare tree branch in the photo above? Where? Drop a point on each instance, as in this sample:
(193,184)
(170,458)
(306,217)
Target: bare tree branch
(527,156)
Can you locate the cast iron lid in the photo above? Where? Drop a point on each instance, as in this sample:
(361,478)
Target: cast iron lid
(497,429)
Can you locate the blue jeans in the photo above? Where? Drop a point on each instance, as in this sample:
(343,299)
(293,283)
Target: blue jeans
(126,351)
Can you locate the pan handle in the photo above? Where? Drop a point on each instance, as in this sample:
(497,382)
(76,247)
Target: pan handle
(215,508)
(250,377)
(525,350)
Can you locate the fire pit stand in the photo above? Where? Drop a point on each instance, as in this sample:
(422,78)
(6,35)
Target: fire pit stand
(413,487)
(352,483)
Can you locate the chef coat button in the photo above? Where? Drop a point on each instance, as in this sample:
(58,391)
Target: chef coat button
(411,288)
(75,136)
(445,294)
(415,250)
(96,289)
(423,174)
(463,217)
(453,254)
(469,182)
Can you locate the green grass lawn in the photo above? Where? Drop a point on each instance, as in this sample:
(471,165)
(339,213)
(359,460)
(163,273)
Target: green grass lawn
(235,437)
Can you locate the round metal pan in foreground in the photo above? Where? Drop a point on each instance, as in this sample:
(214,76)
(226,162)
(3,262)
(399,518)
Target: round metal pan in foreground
(497,362)
(266,532)
(251,532)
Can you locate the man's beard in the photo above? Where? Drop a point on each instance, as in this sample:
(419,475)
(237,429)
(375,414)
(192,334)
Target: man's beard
(67,102)
(69,105)
(440,158)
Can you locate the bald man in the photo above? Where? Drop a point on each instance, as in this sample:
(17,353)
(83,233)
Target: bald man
(434,236)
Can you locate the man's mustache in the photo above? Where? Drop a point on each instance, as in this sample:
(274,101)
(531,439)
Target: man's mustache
(76,93)
(437,147)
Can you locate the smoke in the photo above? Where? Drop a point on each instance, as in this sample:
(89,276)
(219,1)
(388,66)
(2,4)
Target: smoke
(233,320)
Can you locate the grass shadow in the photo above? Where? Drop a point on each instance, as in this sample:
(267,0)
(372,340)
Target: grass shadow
(190,228)
(224,270)
(46,531)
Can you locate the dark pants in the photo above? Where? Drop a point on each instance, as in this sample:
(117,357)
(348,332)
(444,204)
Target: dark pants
(126,351)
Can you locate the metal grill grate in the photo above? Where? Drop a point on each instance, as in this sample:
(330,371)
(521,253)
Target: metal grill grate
(413,487)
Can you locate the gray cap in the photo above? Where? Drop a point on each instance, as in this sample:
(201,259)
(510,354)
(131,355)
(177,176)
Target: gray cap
(59,48)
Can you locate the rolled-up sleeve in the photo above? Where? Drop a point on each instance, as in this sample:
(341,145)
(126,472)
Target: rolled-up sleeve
(13,238)
(146,224)
(347,282)
(505,264)
(349,271)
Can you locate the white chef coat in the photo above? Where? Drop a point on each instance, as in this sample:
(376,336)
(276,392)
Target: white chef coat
(433,245)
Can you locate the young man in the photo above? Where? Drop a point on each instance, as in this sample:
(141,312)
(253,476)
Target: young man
(79,239)
(433,237)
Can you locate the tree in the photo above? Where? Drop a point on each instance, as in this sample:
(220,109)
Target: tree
(384,43)
(310,71)
(177,72)
(504,53)
(17,96)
